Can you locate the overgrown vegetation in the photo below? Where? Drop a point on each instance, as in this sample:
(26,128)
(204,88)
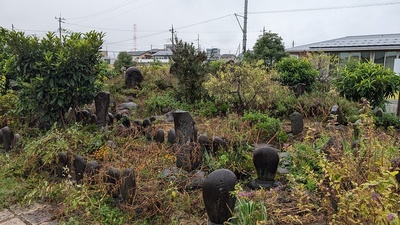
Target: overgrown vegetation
(368,80)
(335,176)
(53,75)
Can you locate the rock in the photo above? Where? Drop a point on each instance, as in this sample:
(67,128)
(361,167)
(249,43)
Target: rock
(128,106)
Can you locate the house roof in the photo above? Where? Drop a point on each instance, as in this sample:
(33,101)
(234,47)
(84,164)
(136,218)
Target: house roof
(137,53)
(163,53)
(353,43)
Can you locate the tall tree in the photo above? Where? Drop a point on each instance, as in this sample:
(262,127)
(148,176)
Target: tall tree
(55,75)
(124,60)
(189,67)
(269,48)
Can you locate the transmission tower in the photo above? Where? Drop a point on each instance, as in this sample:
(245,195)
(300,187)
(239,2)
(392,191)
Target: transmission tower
(134,38)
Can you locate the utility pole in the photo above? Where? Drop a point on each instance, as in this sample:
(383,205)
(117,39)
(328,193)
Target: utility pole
(198,42)
(263,30)
(172,36)
(244,28)
(246,2)
(12,27)
(60,20)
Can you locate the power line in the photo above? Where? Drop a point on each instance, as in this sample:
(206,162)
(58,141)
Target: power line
(104,11)
(325,8)
(206,21)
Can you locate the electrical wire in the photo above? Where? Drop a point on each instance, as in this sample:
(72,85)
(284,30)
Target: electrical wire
(91,16)
(324,8)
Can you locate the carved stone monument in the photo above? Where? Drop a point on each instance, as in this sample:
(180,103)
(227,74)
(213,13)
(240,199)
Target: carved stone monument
(217,198)
(266,160)
(128,185)
(297,124)
(102,102)
(133,77)
(185,127)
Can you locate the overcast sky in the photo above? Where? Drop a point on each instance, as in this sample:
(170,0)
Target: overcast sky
(213,22)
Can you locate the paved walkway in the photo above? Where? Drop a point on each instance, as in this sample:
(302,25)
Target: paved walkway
(36,214)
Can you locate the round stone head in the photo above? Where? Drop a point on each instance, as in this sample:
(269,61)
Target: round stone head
(218,200)
(266,160)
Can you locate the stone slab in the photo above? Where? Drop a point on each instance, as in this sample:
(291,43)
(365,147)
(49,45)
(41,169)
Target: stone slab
(18,210)
(13,221)
(5,215)
(37,217)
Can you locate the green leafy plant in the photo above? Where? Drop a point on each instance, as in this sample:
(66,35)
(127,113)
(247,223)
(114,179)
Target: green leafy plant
(358,80)
(243,86)
(188,66)
(292,71)
(123,62)
(387,120)
(55,75)
(267,127)
(247,211)
(269,48)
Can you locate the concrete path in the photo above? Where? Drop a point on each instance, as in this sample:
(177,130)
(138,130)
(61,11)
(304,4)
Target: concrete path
(36,214)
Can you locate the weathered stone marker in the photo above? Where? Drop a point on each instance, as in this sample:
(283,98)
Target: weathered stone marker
(92,169)
(188,157)
(205,143)
(112,178)
(102,102)
(299,89)
(266,160)
(159,137)
(61,162)
(217,198)
(8,137)
(128,185)
(218,143)
(1,137)
(171,136)
(297,124)
(79,166)
(335,111)
(133,77)
(185,127)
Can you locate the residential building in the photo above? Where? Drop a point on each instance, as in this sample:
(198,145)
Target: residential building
(381,48)
(213,53)
(228,57)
